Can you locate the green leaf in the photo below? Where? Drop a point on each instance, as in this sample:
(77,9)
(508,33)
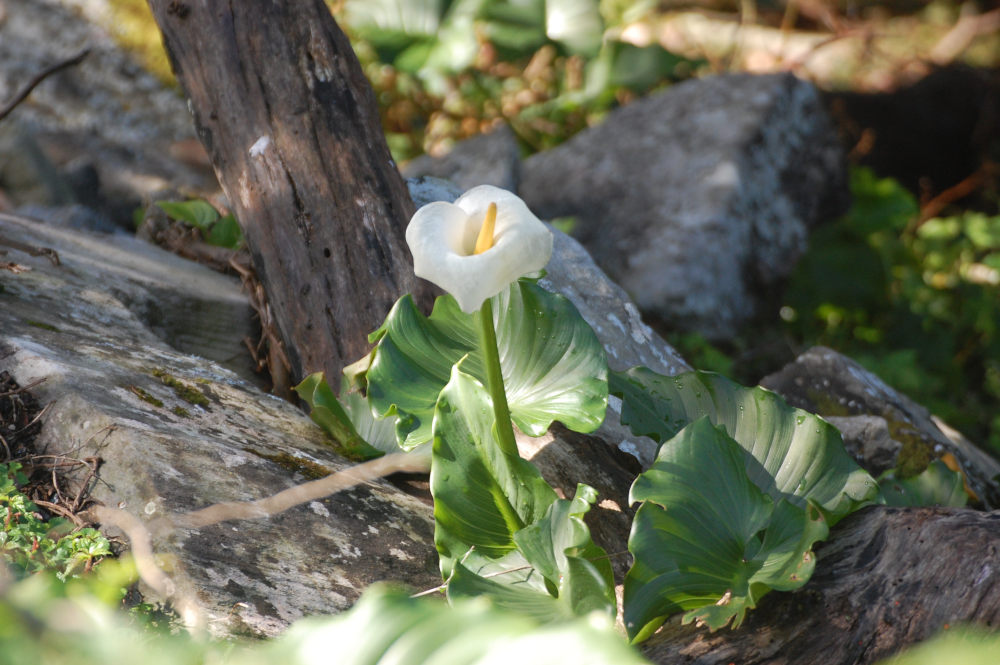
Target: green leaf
(707,539)
(197,213)
(482,496)
(799,456)
(226,233)
(554,367)
(388,626)
(327,412)
(937,485)
(556,571)
(576,24)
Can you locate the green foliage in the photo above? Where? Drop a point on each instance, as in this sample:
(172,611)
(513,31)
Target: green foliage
(329,413)
(30,545)
(499,528)
(799,456)
(45,621)
(216,230)
(728,513)
(915,302)
(937,485)
(707,539)
(547,67)
(967,646)
(553,365)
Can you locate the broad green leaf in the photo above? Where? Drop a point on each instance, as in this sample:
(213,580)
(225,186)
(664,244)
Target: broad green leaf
(327,412)
(226,233)
(482,496)
(197,213)
(388,626)
(707,539)
(521,599)
(965,645)
(556,571)
(799,456)
(937,485)
(554,367)
(576,24)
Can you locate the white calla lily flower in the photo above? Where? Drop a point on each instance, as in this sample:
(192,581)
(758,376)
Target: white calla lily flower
(453,246)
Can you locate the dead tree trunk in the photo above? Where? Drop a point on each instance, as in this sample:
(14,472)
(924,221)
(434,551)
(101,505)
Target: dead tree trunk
(290,122)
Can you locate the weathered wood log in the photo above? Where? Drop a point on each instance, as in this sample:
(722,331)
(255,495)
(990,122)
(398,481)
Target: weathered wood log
(887,578)
(291,125)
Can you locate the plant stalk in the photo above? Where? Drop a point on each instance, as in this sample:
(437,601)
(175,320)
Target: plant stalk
(494,380)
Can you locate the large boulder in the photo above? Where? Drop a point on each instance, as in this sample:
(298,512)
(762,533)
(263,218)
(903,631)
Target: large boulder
(176,432)
(104,133)
(698,200)
(487,159)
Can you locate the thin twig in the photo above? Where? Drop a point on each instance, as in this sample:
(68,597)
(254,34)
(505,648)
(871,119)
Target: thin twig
(23,388)
(65,512)
(141,537)
(41,76)
(958,191)
(145,564)
(293,496)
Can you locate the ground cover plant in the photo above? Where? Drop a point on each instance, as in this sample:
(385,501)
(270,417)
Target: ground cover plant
(911,298)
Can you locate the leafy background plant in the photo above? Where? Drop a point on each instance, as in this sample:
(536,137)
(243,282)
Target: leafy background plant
(30,544)
(914,300)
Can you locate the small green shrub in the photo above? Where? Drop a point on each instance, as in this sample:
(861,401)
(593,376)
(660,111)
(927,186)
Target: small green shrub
(914,301)
(218,230)
(31,545)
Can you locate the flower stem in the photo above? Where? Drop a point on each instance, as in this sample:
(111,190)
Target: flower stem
(494,380)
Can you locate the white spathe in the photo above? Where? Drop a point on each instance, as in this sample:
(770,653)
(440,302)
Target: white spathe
(442,239)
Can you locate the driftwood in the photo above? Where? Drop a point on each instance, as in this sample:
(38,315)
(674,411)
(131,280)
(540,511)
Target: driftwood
(887,578)
(291,126)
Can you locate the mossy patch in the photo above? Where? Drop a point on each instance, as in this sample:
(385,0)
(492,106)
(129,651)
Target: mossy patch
(145,396)
(188,393)
(43,326)
(181,411)
(308,468)
(916,453)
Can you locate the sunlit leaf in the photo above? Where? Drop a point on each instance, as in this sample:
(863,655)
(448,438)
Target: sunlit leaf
(482,496)
(937,485)
(197,213)
(499,527)
(327,412)
(553,365)
(387,626)
(799,456)
(707,539)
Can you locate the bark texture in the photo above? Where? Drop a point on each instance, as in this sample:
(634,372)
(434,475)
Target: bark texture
(291,125)
(886,578)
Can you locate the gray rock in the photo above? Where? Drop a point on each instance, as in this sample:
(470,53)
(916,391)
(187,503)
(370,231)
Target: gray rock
(487,159)
(74,216)
(186,305)
(868,441)
(107,110)
(698,200)
(110,386)
(831,385)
